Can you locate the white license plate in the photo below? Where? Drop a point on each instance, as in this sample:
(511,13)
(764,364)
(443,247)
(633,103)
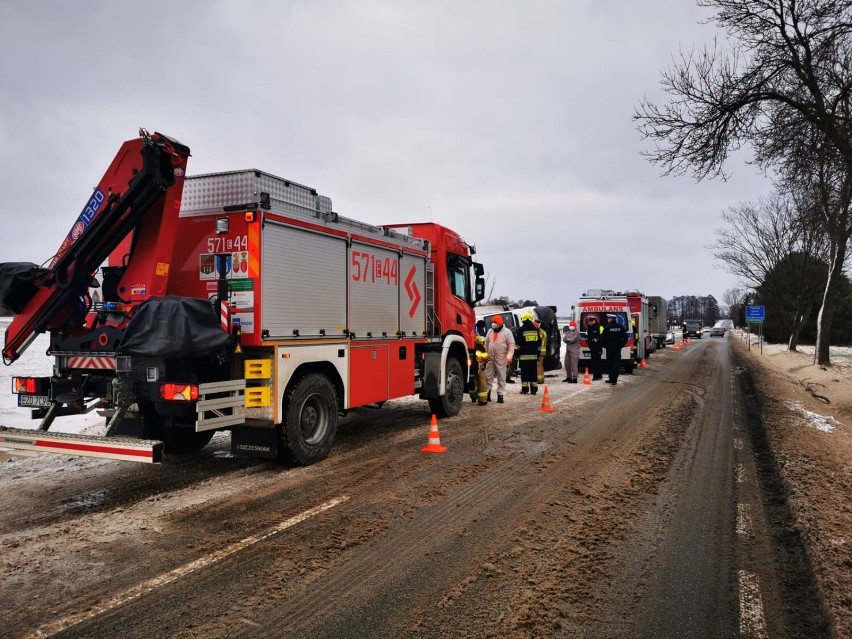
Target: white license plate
(33,400)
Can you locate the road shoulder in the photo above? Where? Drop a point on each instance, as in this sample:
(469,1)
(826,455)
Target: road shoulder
(807,412)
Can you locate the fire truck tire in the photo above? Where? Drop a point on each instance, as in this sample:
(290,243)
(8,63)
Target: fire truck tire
(179,438)
(451,402)
(310,421)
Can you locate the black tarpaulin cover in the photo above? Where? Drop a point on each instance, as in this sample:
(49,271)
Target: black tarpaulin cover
(174,327)
(16,285)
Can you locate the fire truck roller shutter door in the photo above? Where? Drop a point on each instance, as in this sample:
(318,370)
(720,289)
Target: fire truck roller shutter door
(374,282)
(296,265)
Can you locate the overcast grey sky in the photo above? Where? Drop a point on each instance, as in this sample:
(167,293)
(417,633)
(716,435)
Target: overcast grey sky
(509,122)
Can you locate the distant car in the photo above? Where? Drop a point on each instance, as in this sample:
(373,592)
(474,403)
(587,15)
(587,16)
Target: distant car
(717,331)
(669,338)
(692,328)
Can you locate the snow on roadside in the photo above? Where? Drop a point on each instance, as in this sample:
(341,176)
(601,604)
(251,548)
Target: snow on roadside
(840,355)
(34,362)
(826,424)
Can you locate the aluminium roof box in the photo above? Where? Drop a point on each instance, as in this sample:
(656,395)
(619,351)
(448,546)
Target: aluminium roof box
(250,188)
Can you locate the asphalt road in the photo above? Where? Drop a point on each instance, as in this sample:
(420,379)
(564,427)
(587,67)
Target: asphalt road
(640,510)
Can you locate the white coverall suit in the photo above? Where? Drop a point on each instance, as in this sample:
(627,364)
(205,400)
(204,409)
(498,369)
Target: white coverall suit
(500,346)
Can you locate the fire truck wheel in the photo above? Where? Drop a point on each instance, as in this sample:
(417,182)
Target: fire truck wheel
(450,404)
(178,437)
(310,422)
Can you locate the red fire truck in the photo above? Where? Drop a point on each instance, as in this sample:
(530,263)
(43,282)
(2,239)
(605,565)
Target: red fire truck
(639,311)
(178,306)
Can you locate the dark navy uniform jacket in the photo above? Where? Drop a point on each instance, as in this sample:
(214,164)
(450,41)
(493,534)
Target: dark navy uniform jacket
(614,337)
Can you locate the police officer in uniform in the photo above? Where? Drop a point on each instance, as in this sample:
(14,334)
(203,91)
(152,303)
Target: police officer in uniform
(614,338)
(593,339)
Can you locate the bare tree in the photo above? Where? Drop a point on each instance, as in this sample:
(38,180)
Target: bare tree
(785,66)
(821,181)
(760,239)
(733,299)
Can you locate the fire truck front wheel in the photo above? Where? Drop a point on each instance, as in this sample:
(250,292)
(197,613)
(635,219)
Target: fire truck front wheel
(310,423)
(450,403)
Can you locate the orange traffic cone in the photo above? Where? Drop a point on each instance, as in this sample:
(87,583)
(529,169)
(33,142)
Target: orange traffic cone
(586,380)
(642,364)
(434,445)
(545,402)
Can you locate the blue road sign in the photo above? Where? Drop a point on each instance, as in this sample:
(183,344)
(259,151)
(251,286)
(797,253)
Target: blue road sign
(755,314)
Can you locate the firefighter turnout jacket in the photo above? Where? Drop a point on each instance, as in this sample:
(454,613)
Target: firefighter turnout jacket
(530,342)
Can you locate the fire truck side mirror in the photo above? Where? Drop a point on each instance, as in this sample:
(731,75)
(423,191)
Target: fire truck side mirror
(478,269)
(480,289)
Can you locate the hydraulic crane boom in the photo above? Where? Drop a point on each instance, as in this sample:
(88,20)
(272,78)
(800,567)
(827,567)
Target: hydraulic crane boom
(141,190)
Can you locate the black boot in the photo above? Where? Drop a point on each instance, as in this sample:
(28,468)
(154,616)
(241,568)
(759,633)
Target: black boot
(499,399)
(567,379)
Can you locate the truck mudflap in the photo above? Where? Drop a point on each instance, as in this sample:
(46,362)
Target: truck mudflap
(138,450)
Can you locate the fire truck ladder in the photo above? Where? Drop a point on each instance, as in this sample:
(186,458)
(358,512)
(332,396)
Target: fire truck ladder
(433,324)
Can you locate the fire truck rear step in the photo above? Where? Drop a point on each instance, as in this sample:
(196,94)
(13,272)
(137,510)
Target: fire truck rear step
(138,450)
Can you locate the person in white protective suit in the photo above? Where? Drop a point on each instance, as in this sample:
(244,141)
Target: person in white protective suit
(571,337)
(501,347)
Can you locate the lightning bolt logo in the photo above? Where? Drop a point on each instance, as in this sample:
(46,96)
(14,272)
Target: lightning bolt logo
(412,290)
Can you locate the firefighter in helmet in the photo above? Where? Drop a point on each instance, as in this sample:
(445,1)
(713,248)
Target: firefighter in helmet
(480,328)
(477,365)
(528,352)
(481,376)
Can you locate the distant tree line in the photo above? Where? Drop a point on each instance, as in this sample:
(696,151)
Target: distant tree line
(683,307)
(779,81)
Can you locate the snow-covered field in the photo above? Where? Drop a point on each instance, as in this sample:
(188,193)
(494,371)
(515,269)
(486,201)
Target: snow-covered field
(840,355)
